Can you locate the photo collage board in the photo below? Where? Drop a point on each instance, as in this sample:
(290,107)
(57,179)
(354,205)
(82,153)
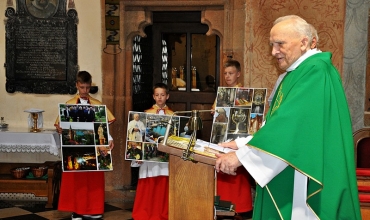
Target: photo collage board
(146,130)
(239,112)
(84,138)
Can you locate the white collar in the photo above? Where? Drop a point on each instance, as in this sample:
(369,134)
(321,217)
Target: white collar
(302,58)
(84,101)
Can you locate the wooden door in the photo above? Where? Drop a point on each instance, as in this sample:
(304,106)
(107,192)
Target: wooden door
(179,42)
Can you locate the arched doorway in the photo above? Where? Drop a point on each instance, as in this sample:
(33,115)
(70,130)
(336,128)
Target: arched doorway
(118,90)
(177,52)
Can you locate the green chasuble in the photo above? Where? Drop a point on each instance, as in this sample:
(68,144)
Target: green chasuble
(309,127)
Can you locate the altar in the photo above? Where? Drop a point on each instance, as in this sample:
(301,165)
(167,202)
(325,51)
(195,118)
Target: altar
(19,145)
(21,148)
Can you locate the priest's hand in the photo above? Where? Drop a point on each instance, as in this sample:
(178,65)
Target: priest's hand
(227,163)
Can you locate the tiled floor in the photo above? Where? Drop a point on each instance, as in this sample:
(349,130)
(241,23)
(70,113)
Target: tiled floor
(35,210)
(16,208)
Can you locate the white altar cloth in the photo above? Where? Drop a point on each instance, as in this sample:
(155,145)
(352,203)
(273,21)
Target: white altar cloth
(21,140)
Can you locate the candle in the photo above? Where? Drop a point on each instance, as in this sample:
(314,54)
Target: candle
(174,76)
(194,77)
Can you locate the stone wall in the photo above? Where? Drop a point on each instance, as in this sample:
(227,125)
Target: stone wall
(355,59)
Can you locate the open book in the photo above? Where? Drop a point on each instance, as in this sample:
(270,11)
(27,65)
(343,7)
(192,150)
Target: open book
(201,147)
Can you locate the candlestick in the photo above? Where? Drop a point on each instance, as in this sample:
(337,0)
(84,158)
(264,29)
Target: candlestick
(194,77)
(174,76)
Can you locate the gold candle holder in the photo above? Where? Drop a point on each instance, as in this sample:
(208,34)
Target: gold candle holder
(35,117)
(194,77)
(174,76)
(182,72)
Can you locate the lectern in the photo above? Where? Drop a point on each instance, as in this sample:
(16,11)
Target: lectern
(191,185)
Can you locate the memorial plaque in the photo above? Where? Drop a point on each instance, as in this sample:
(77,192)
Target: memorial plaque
(41,47)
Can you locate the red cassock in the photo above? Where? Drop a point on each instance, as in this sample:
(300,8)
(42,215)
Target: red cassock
(82,192)
(236,189)
(151,199)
